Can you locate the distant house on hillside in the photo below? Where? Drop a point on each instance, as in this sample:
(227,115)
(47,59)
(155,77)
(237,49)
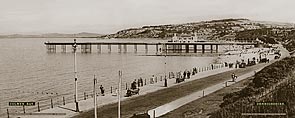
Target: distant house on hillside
(250,27)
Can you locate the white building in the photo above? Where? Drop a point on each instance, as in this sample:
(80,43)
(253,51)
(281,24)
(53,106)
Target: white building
(187,38)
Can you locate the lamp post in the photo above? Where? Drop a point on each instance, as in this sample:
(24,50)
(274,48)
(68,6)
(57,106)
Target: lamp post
(94,94)
(165,78)
(119,93)
(76,78)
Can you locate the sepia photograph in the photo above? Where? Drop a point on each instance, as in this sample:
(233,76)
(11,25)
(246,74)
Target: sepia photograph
(147,59)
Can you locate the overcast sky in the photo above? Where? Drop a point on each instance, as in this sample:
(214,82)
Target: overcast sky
(109,16)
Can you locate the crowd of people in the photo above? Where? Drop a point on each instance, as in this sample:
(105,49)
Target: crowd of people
(179,76)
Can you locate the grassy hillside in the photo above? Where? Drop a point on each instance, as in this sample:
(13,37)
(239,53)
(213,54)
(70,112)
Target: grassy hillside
(274,84)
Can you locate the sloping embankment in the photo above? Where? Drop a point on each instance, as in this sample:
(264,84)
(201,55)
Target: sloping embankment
(273,84)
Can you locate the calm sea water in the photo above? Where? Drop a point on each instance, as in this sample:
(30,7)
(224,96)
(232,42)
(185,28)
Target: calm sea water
(29,73)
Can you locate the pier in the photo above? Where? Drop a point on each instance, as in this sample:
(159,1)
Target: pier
(86,47)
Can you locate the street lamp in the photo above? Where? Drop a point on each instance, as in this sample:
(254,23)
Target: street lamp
(165,78)
(76,78)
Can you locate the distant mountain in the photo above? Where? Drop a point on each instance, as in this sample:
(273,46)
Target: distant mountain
(54,35)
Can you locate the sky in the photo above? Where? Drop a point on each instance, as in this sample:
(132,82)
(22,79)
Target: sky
(110,16)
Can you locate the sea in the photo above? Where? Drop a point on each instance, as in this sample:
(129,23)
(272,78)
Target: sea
(28,73)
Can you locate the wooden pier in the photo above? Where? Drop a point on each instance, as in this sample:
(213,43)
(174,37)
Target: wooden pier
(86,47)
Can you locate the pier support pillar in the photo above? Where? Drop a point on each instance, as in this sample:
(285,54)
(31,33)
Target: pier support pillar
(166,48)
(89,46)
(51,48)
(86,48)
(135,48)
(99,48)
(125,48)
(195,48)
(211,48)
(83,48)
(146,48)
(173,48)
(63,48)
(54,48)
(203,49)
(119,48)
(110,48)
(187,48)
(216,48)
(180,48)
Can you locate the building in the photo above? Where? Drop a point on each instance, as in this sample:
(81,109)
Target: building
(187,38)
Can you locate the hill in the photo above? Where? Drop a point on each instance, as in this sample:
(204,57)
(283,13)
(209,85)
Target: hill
(210,30)
(224,29)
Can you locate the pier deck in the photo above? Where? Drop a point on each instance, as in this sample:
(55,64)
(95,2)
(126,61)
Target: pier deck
(86,47)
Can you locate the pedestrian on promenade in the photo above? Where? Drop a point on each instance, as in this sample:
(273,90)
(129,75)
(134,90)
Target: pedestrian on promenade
(101,90)
(184,74)
(152,79)
(138,82)
(165,82)
(133,85)
(234,77)
(188,74)
(141,81)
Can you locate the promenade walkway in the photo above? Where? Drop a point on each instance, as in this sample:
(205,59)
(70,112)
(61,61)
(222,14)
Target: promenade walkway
(87,105)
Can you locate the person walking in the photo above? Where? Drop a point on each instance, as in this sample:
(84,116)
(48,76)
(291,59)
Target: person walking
(133,85)
(188,74)
(234,77)
(138,82)
(152,80)
(184,74)
(101,90)
(141,81)
(165,82)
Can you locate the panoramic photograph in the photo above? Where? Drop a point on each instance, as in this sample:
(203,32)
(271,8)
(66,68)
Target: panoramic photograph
(147,59)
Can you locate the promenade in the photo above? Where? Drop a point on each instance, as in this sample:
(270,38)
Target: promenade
(87,105)
(142,104)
